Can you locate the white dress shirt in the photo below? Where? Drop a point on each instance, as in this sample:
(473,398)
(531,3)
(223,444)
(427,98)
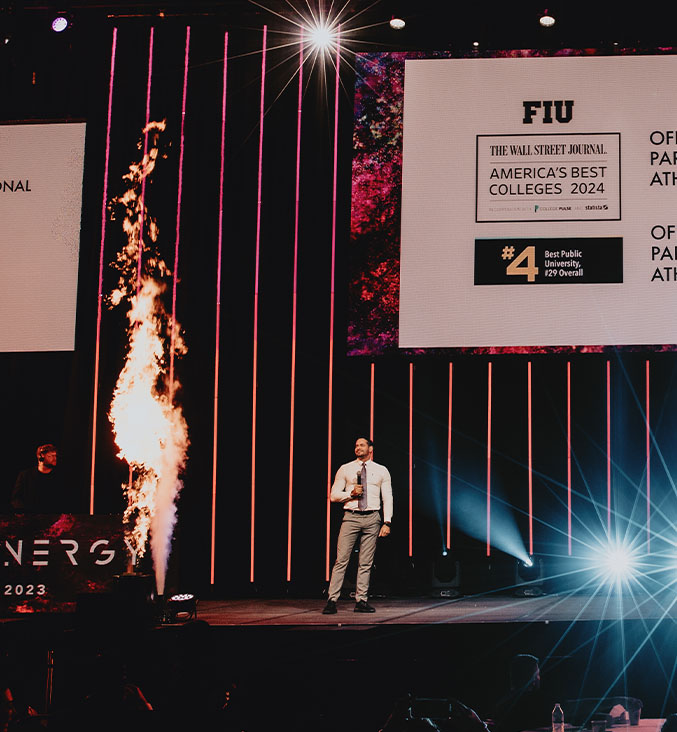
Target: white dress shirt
(379,487)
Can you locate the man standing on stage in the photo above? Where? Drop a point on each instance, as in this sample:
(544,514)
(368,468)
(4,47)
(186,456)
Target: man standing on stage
(363,487)
(38,489)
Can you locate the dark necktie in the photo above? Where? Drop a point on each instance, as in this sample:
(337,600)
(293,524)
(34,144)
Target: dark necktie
(362,503)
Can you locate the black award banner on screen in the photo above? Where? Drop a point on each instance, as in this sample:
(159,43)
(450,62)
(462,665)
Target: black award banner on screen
(549,261)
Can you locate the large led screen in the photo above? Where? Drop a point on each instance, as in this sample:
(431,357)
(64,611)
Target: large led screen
(514,204)
(41,167)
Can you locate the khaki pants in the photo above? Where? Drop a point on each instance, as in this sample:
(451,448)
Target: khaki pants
(354,526)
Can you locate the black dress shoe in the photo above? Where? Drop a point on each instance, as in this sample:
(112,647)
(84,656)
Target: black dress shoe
(329,608)
(362,606)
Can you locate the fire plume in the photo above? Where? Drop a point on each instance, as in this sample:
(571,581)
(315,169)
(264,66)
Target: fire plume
(149,427)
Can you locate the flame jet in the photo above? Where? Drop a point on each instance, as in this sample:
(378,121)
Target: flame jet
(149,428)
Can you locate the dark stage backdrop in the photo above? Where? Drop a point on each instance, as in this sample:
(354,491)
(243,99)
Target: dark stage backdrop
(48,397)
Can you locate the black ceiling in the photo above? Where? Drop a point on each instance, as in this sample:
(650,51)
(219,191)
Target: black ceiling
(437,24)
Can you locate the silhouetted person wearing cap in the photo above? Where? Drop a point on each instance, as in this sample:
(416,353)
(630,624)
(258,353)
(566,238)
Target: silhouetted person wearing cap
(38,489)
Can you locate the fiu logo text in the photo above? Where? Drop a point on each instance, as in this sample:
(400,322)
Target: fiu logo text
(563,111)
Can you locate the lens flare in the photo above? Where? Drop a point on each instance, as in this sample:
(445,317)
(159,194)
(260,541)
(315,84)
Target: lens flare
(618,563)
(149,428)
(321,35)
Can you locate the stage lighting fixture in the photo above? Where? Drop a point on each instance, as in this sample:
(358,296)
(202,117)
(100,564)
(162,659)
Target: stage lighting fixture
(397,23)
(546,20)
(61,22)
(446,576)
(529,577)
(180,608)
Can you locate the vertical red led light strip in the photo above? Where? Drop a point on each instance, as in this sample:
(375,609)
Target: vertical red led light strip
(451,374)
(104,218)
(256,304)
(217,335)
(489,460)
(294,300)
(371,402)
(142,202)
(608,448)
(531,485)
(411,459)
(179,194)
(331,299)
(648,463)
(569,455)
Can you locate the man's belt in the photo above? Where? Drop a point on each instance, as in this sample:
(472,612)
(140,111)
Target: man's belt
(362,513)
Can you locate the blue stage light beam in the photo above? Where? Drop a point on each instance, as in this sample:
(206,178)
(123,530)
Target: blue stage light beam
(470,517)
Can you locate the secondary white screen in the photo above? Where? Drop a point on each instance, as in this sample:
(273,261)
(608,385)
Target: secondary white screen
(41,168)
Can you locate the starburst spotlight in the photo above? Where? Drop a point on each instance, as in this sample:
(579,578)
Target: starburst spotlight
(618,564)
(321,36)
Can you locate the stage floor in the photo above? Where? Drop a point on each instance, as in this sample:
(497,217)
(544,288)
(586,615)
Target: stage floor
(429,611)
